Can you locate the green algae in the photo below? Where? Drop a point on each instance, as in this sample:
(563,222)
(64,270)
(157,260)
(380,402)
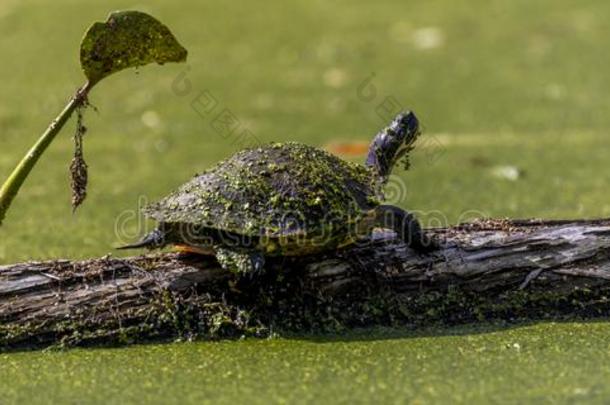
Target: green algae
(561,145)
(543,363)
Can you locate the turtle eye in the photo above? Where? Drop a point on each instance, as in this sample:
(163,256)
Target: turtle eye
(406,127)
(408,122)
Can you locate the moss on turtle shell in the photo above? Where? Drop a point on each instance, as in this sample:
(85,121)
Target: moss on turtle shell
(252,191)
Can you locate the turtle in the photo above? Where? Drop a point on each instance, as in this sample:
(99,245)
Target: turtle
(287,199)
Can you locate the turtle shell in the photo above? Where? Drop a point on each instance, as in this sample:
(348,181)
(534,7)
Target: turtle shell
(282,189)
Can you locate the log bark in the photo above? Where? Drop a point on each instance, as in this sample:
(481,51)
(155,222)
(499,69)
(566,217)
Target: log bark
(488,270)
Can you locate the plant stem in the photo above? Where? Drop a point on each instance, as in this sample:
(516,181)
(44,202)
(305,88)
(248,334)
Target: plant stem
(14,182)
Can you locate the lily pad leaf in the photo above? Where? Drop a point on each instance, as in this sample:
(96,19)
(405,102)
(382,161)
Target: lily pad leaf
(127,39)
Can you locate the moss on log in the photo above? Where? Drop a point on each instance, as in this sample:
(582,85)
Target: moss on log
(488,270)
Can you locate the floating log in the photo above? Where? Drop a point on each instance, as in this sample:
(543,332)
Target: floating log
(487,270)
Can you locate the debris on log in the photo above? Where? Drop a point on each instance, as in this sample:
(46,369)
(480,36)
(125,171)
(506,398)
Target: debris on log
(487,270)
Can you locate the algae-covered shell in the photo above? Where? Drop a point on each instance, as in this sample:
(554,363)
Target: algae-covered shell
(281,189)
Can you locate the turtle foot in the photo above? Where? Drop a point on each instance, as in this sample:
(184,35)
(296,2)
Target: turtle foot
(250,264)
(407,227)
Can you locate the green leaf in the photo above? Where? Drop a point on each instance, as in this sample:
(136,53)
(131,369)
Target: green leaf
(127,39)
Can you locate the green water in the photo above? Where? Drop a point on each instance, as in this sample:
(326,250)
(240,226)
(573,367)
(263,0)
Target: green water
(545,363)
(520,83)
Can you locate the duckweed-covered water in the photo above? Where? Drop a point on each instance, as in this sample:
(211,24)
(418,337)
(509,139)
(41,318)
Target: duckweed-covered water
(520,85)
(543,363)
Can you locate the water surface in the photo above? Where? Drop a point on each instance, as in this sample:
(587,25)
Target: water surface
(543,363)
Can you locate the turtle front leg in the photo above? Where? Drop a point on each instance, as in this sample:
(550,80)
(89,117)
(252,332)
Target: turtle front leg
(406,226)
(242,263)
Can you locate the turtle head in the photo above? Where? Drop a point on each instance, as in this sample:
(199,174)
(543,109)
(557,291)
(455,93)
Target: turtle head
(392,144)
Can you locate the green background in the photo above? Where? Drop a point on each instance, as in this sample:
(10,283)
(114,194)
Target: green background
(502,88)
(517,83)
(542,364)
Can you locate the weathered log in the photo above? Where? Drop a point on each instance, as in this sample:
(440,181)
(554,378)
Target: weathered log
(485,270)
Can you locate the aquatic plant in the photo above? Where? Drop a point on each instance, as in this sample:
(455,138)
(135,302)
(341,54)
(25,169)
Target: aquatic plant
(126,39)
